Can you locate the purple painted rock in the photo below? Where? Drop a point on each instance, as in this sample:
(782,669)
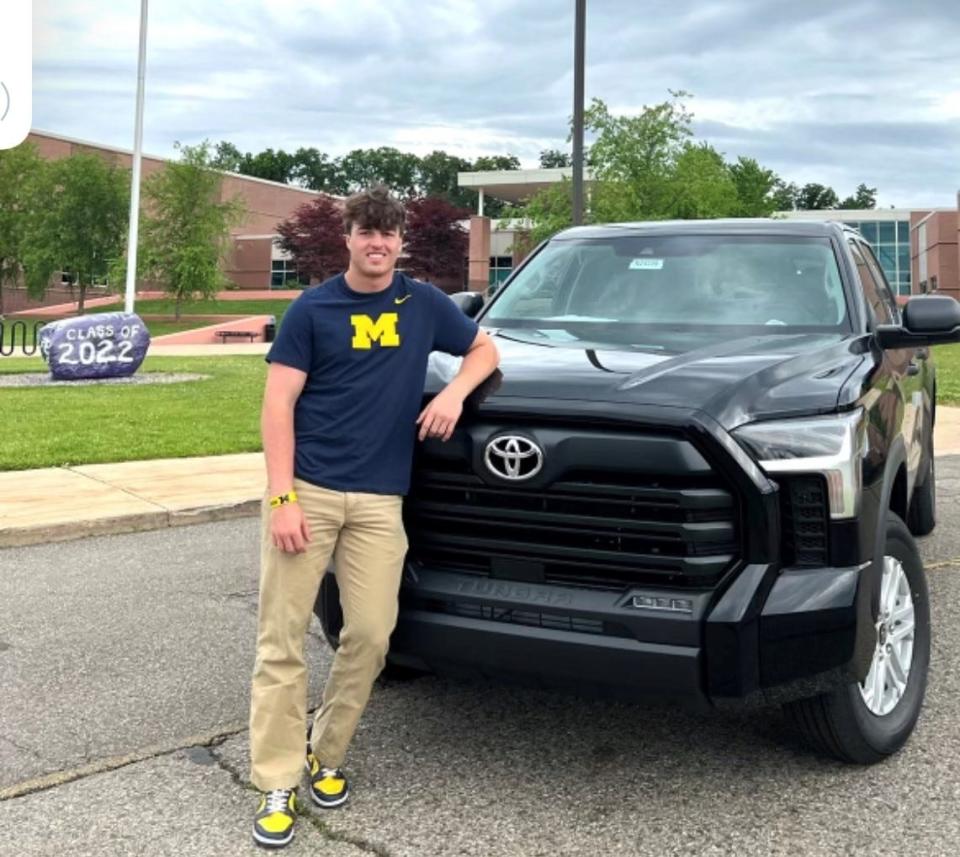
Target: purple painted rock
(105,345)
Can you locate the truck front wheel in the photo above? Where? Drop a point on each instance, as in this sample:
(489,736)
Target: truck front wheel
(865,722)
(327,609)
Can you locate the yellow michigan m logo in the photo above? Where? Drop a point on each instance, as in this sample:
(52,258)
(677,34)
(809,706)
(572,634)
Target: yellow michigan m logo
(366,331)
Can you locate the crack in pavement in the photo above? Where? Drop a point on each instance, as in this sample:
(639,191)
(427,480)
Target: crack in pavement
(113,763)
(211,743)
(226,766)
(337,836)
(309,816)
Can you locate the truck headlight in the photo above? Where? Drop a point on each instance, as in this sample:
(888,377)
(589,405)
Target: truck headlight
(833,446)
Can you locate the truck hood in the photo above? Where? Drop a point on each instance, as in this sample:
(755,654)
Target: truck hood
(734,381)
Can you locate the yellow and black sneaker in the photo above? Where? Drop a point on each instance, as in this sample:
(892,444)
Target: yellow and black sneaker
(273,823)
(328,786)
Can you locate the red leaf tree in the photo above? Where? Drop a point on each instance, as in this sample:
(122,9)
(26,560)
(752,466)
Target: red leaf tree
(313,237)
(435,242)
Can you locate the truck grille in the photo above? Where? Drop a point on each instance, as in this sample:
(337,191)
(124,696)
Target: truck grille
(530,618)
(600,530)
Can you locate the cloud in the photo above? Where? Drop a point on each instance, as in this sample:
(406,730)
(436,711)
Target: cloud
(820,91)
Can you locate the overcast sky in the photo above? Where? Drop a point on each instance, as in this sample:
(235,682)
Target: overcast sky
(835,92)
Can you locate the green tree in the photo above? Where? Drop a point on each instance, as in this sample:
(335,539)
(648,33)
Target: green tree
(756,188)
(80,226)
(20,170)
(496,162)
(437,177)
(544,215)
(633,158)
(398,170)
(316,170)
(701,185)
(275,166)
(815,197)
(551,158)
(186,224)
(228,157)
(785,195)
(863,197)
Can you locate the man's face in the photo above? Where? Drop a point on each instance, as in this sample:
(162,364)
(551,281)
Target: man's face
(373,253)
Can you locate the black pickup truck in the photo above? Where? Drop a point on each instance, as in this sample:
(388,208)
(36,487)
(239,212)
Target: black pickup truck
(698,474)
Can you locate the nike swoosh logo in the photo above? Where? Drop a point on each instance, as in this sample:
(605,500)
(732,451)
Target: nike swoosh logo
(401,300)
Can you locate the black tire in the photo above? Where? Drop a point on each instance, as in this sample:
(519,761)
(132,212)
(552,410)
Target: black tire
(327,609)
(840,723)
(922,517)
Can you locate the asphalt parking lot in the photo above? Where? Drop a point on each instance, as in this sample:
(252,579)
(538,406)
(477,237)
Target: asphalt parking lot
(125,664)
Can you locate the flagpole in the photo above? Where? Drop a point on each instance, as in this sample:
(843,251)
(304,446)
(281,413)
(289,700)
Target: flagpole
(137,157)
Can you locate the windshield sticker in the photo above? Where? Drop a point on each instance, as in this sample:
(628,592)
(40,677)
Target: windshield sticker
(646,265)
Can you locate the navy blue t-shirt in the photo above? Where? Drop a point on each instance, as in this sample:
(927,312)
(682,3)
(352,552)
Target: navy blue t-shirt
(365,356)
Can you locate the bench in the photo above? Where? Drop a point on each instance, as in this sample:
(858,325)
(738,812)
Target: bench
(235,334)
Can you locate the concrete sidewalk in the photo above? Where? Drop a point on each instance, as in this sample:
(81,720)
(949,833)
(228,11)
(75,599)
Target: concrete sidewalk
(60,503)
(56,504)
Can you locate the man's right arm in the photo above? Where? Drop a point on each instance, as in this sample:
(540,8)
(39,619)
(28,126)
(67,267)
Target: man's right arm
(288,527)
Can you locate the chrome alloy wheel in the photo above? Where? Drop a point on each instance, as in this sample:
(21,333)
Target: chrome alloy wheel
(886,682)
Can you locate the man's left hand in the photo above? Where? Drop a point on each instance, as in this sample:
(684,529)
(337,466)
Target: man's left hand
(439,418)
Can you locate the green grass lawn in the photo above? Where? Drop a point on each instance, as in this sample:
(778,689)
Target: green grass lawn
(55,426)
(947,360)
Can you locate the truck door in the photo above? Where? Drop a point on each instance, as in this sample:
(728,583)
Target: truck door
(901,408)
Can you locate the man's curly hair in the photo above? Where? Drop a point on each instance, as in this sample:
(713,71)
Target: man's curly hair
(373,208)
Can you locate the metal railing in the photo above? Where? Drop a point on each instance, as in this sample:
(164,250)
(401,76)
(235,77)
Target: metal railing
(29,343)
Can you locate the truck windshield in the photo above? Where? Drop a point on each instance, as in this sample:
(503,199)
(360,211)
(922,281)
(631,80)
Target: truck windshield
(628,289)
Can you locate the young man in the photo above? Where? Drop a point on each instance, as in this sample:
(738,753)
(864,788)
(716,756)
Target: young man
(340,419)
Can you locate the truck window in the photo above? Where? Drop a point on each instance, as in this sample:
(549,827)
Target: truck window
(886,293)
(871,289)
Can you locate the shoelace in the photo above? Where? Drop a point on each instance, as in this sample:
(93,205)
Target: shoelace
(277,800)
(331,772)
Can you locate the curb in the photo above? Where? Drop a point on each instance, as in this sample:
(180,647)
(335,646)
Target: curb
(140,522)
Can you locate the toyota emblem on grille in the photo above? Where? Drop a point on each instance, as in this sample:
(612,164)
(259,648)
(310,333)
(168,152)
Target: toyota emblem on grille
(514,457)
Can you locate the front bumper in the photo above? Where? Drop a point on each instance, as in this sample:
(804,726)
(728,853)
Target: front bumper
(752,644)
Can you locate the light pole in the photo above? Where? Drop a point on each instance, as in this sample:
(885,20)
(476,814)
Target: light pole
(578,61)
(137,156)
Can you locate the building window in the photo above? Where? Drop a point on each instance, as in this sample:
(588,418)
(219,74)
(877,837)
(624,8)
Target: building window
(284,272)
(890,241)
(500,268)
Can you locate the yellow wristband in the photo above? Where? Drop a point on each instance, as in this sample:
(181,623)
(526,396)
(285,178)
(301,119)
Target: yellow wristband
(282,499)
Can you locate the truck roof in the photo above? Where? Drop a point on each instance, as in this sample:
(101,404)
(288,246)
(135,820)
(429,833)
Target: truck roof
(755,226)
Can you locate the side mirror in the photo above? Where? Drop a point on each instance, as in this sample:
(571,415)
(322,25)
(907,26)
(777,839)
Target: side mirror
(927,320)
(470,303)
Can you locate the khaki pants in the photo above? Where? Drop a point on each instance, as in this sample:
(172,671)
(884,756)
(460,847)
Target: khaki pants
(364,535)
